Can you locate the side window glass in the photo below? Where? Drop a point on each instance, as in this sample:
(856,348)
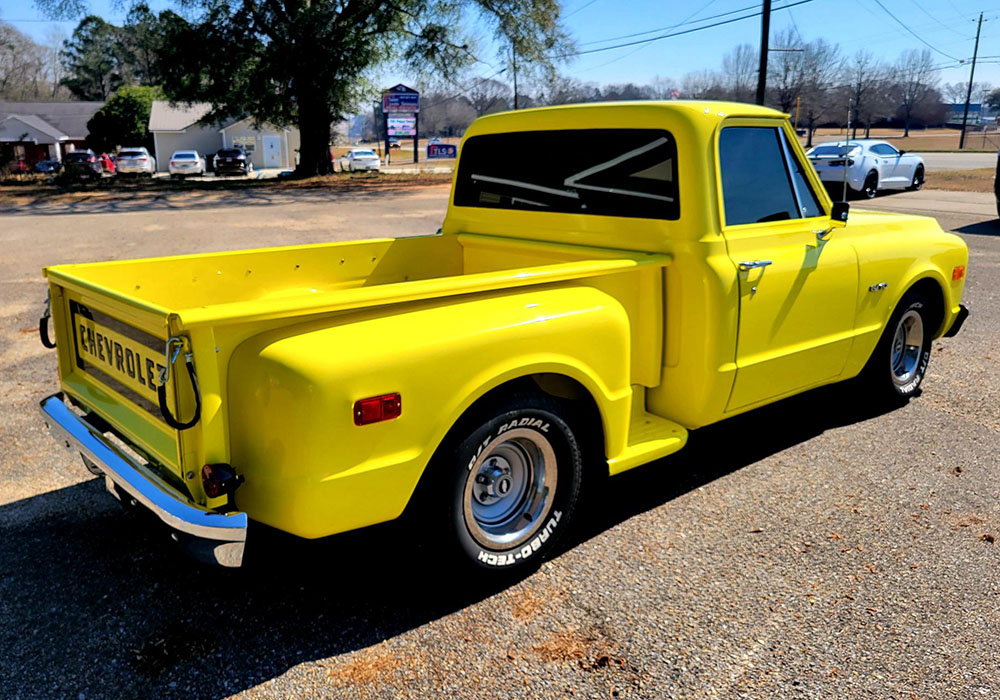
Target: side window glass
(756,186)
(808,201)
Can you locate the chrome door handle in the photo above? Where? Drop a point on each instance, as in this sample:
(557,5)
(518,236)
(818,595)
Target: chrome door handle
(751,264)
(822,234)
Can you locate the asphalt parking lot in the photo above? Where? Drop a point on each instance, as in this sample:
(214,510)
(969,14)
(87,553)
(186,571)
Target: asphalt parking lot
(811,549)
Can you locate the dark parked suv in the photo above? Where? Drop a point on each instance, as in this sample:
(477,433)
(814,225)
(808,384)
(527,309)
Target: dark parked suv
(83,165)
(232,161)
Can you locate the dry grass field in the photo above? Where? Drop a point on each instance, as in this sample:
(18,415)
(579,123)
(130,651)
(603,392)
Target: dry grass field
(975,180)
(925,140)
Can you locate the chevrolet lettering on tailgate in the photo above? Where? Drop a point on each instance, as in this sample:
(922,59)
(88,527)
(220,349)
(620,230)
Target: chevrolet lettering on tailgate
(125,360)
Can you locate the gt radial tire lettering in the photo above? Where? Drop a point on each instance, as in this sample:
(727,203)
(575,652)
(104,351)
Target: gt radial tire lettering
(525,423)
(527,550)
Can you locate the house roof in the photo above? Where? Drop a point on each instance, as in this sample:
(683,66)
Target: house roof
(167,117)
(38,124)
(67,118)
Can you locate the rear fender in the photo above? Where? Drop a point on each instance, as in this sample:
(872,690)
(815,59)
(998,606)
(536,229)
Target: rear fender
(311,471)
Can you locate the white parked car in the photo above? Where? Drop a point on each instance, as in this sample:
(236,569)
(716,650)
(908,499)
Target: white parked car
(135,161)
(872,165)
(359,159)
(184,163)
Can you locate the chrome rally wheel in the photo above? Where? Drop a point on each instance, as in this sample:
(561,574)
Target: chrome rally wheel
(907,347)
(510,488)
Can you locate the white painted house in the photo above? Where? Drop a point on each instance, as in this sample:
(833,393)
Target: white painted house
(179,128)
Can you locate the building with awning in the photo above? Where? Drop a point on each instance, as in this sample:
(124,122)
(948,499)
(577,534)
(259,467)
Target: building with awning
(34,131)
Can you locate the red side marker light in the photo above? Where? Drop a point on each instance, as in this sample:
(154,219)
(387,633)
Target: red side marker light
(377,408)
(958,273)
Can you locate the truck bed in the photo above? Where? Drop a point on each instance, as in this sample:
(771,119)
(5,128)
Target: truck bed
(113,319)
(254,285)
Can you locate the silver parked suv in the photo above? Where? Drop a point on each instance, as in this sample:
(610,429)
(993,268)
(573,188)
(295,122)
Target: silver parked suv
(136,161)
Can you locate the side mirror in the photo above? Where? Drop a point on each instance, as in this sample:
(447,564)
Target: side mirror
(838,215)
(901,151)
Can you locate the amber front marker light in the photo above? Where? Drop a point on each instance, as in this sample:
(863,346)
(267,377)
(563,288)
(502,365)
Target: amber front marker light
(958,273)
(377,408)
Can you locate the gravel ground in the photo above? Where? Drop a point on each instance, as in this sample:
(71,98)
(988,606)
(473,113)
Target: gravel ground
(811,549)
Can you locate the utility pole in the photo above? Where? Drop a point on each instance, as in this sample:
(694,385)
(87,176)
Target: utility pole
(968,95)
(513,55)
(765,30)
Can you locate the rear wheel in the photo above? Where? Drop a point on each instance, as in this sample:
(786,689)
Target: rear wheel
(918,179)
(897,366)
(870,188)
(507,491)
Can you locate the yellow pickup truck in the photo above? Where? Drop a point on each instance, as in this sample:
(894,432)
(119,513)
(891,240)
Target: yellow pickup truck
(607,278)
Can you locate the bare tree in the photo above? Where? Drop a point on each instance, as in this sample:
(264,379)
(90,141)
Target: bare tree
(955,92)
(820,67)
(489,96)
(863,78)
(739,73)
(662,88)
(786,74)
(914,81)
(703,85)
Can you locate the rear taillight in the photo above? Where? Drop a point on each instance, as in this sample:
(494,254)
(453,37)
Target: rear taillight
(219,479)
(958,273)
(377,409)
(91,159)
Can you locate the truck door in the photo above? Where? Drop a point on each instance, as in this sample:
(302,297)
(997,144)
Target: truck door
(797,278)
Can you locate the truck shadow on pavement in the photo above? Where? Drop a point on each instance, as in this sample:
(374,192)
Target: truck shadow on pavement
(95,602)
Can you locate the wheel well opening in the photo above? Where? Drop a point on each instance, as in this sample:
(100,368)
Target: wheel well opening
(582,412)
(930,290)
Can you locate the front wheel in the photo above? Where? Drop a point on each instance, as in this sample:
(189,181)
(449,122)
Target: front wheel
(898,365)
(508,490)
(918,180)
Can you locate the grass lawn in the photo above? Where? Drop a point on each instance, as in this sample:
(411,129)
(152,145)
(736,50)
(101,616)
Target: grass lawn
(976,180)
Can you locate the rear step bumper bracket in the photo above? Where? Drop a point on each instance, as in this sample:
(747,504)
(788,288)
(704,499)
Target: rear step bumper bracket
(219,538)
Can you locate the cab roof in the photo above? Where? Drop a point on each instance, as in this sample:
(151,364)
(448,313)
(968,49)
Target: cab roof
(707,110)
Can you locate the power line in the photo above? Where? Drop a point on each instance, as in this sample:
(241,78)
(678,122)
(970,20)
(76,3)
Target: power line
(458,94)
(580,9)
(672,26)
(680,33)
(914,34)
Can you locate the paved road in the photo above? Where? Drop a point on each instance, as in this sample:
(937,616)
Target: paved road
(958,161)
(812,549)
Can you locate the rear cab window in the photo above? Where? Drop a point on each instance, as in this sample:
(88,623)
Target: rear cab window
(604,172)
(762,178)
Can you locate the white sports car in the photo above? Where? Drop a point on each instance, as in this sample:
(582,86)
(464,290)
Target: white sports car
(872,165)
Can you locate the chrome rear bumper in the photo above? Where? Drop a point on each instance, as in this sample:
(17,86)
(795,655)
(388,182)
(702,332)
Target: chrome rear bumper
(217,538)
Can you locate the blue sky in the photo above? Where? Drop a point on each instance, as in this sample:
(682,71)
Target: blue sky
(947,25)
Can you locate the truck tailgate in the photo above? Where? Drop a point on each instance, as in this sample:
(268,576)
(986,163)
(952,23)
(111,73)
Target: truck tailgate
(111,353)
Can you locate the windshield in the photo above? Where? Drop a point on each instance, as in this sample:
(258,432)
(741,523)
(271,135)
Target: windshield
(364,154)
(835,150)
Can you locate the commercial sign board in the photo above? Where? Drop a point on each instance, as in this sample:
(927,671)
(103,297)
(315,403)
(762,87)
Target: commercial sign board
(401,126)
(442,150)
(400,98)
